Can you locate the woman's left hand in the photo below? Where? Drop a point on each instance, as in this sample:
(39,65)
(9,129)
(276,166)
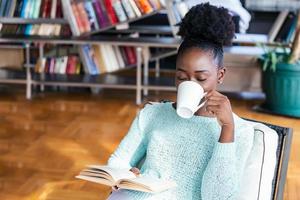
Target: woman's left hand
(219,105)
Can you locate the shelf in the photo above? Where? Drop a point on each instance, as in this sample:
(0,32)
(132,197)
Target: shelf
(125,22)
(16,20)
(120,80)
(146,29)
(12,76)
(273,6)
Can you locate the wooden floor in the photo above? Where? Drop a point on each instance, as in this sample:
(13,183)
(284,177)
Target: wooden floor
(45,142)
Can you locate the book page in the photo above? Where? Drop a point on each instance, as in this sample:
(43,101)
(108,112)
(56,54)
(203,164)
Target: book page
(146,184)
(116,174)
(96,179)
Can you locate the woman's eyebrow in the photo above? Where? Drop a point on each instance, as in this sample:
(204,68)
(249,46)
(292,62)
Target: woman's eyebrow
(197,71)
(180,69)
(201,71)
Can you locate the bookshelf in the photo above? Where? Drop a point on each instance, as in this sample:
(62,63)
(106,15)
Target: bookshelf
(17,20)
(139,82)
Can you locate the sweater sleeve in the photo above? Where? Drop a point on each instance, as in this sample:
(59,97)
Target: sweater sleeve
(131,149)
(220,176)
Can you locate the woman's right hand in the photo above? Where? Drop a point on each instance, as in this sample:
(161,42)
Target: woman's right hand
(134,170)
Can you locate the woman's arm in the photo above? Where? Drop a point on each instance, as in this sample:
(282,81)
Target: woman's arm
(220,179)
(131,149)
(222,175)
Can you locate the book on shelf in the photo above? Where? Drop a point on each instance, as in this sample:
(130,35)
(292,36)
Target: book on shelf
(32,9)
(277,25)
(59,65)
(287,29)
(88,16)
(103,58)
(124,179)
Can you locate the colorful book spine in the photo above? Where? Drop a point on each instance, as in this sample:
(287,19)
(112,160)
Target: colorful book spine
(78,19)
(23,10)
(2,7)
(117,5)
(37,8)
(135,8)
(83,17)
(144,6)
(59,12)
(53,9)
(91,15)
(99,14)
(128,9)
(110,12)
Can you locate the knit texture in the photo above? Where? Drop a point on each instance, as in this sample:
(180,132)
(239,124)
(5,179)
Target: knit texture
(186,151)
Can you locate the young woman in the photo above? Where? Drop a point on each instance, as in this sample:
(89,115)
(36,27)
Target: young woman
(205,154)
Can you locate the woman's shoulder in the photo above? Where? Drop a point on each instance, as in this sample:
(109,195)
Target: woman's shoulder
(156,105)
(155,109)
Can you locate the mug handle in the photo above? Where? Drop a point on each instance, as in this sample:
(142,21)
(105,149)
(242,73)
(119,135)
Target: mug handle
(198,107)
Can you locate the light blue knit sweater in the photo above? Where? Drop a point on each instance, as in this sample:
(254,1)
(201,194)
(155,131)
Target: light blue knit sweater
(186,151)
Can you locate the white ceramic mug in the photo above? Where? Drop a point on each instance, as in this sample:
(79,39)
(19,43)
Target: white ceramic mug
(189,96)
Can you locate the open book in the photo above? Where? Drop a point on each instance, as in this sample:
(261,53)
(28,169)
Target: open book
(124,179)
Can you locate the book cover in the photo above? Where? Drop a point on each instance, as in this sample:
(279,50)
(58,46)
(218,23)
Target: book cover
(71,65)
(99,59)
(63,66)
(124,56)
(110,12)
(119,11)
(125,179)
(9,7)
(23,10)
(84,17)
(128,9)
(86,57)
(91,15)
(32,9)
(135,8)
(80,25)
(99,14)
(113,58)
(144,6)
(48,10)
(105,13)
(69,15)
(277,25)
(130,53)
(53,9)
(285,28)
(37,8)
(18,9)
(2,7)
(28,8)
(59,12)
(44,8)
(155,4)
(119,57)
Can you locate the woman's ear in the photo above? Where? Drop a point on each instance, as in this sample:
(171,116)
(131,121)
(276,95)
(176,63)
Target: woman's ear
(221,75)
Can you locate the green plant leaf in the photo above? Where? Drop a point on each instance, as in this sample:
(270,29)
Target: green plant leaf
(265,65)
(273,61)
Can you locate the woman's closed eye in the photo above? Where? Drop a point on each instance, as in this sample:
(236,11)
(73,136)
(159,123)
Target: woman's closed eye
(182,78)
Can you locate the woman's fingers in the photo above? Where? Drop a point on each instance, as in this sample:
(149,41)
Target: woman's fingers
(114,188)
(135,170)
(210,102)
(214,109)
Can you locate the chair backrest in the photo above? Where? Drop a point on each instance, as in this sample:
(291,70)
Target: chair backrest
(283,153)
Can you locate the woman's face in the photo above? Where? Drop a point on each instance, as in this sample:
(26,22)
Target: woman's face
(199,66)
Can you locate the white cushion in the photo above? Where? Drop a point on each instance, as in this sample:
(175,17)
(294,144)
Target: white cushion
(256,182)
